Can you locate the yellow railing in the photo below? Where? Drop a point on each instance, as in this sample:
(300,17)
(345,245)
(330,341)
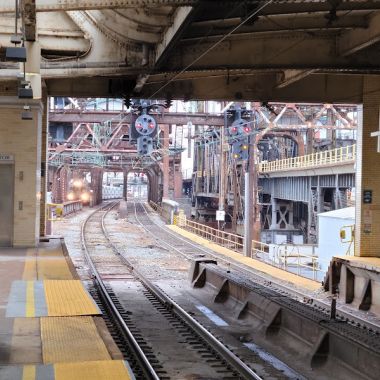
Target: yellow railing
(220,237)
(57,211)
(347,235)
(329,157)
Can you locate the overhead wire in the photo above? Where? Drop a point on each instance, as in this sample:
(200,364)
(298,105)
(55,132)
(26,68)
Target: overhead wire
(251,15)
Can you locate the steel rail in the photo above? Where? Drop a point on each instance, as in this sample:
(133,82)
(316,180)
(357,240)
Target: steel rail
(218,346)
(96,277)
(270,283)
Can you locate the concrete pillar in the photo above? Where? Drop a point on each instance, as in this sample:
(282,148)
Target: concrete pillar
(125,184)
(273,202)
(178,183)
(367,232)
(21,139)
(44,158)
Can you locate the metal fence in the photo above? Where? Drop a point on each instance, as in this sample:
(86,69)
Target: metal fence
(345,154)
(288,257)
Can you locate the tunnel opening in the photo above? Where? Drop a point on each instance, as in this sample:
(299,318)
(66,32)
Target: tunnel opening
(113,185)
(137,186)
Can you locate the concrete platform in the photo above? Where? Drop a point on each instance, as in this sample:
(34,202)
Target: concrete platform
(49,325)
(356,280)
(277,273)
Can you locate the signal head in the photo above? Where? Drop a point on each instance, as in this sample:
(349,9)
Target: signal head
(145,125)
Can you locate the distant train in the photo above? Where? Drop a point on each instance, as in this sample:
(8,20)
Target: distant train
(79,190)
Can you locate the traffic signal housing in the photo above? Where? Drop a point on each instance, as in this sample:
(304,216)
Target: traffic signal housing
(144,145)
(143,129)
(145,125)
(238,130)
(240,150)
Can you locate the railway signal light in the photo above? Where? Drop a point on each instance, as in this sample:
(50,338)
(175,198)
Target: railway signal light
(144,145)
(240,150)
(238,129)
(145,125)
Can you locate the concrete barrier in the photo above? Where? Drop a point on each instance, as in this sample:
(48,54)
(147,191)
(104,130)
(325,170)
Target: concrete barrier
(302,336)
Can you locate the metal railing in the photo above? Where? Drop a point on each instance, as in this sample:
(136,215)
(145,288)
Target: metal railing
(57,211)
(156,207)
(290,258)
(347,235)
(345,154)
(220,237)
(284,256)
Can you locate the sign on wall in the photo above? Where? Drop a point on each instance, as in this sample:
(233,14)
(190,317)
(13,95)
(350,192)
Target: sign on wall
(6,158)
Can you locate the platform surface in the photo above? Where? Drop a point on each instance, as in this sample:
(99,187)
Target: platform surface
(49,324)
(255,264)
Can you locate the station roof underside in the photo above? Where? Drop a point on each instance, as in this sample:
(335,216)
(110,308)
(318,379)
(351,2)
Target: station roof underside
(280,50)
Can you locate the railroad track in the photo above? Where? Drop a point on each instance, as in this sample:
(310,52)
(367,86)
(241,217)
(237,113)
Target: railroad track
(183,337)
(190,251)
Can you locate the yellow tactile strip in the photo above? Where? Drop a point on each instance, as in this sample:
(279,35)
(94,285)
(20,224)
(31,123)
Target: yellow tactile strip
(253,263)
(100,370)
(71,339)
(68,297)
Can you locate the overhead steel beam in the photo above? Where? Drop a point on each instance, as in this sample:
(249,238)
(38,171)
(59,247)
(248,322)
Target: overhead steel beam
(291,76)
(267,52)
(179,17)
(355,40)
(277,23)
(69,5)
(225,85)
(78,116)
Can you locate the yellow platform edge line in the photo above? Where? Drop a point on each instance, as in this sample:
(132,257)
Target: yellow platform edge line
(29,372)
(30,272)
(250,262)
(30,309)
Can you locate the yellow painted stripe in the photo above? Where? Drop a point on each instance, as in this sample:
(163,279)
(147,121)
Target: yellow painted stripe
(99,370)
(29,372)
(71,339)
(30,309)
(30,267)
(68,298)
(250,262)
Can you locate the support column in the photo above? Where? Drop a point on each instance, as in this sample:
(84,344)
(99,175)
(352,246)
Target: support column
(273,202)
(44,166)
(165,162)
(367,232)
(21,140)
(178,183)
